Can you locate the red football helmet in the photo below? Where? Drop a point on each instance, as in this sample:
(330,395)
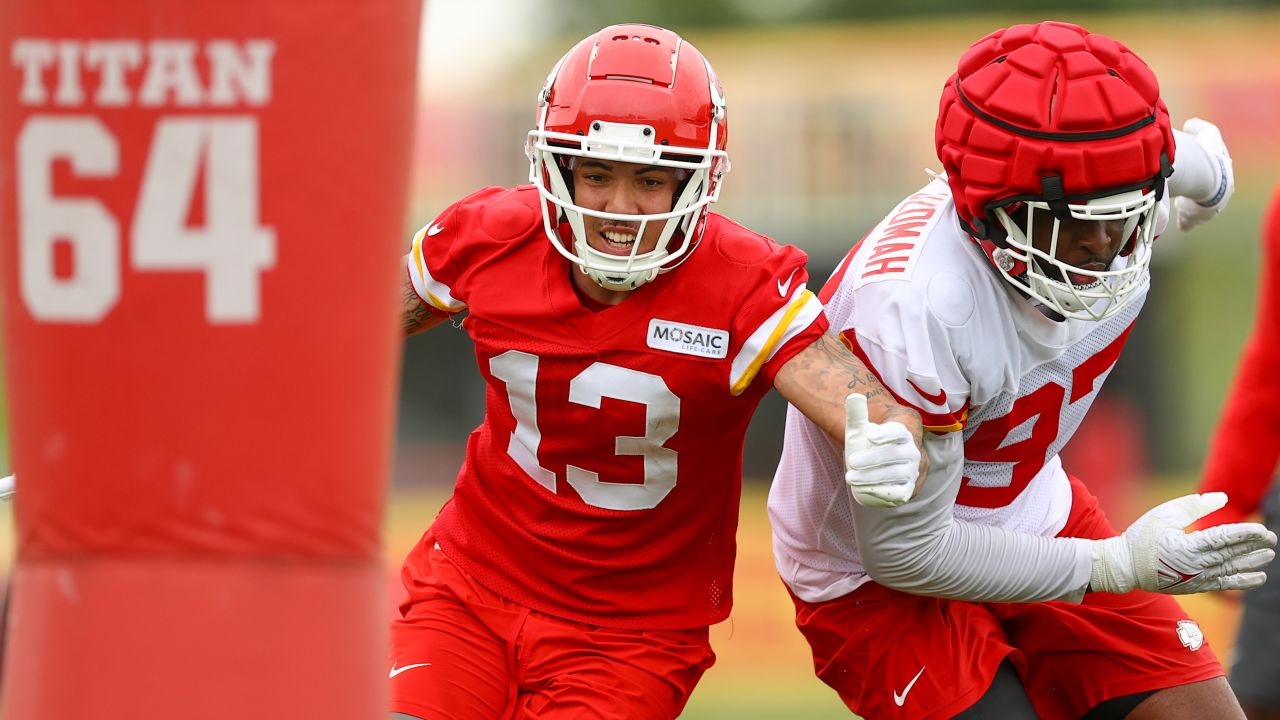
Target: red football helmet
(639,94)
(1051,118)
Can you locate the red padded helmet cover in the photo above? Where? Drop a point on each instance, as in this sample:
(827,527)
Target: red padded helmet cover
(1050,99)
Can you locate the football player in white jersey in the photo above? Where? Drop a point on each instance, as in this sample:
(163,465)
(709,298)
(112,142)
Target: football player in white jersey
(996,300)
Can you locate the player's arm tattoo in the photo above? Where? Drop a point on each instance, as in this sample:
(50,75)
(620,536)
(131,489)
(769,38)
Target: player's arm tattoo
(818,379)
(414,315)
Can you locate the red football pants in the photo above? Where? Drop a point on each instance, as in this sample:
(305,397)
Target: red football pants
(891,654)
(459,651)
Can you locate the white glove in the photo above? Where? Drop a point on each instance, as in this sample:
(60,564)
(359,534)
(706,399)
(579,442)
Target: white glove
(6,487)
(881,462)
(1155,554)
(1190,212)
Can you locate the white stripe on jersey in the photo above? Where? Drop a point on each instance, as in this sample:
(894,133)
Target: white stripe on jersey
(427,287)
(790,320)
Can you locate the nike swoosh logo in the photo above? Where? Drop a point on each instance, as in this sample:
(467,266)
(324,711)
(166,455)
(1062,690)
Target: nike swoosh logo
(397,670)
(939,398)
(434,229)
(899,699)
(783,288)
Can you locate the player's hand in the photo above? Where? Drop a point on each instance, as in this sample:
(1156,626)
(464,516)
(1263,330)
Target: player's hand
(7,485)
(1155,554)
(1190,212)
(881,461)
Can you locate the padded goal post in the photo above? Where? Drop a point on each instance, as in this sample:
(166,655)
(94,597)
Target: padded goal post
(202,205)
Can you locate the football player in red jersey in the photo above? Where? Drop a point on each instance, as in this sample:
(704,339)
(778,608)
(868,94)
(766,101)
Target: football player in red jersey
(995,300)
(1242,462)
(626,335)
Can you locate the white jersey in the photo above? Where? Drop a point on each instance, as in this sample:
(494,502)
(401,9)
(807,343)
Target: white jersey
(1000,386)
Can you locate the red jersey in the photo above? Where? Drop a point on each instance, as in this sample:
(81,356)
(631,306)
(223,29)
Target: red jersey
(1245,447)
(603,484)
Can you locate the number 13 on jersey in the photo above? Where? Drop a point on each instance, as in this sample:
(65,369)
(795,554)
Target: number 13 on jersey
(599,380)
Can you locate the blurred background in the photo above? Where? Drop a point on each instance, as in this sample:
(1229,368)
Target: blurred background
(831,110)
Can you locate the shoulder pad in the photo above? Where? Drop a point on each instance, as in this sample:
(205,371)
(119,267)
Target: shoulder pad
(736,243)
(503,214)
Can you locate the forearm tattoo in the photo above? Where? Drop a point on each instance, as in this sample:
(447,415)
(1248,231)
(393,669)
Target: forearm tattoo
(415,313)
(862,380)
(834,371)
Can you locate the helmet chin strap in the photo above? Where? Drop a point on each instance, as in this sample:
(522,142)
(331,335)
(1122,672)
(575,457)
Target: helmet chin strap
(630,282)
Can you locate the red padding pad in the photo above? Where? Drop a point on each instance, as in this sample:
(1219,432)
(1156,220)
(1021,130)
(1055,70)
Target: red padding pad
(202,209)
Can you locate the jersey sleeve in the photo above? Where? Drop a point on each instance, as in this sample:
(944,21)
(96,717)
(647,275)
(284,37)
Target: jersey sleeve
(779,317)
(444,249)
(896,332)
(1246,444)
